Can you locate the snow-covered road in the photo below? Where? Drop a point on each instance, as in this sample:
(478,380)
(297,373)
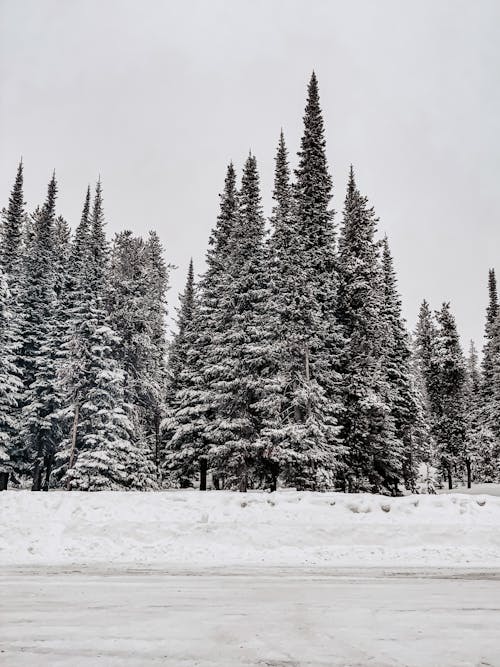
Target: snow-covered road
(265,617)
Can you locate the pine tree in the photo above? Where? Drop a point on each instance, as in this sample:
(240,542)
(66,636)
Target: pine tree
(11,243)
(396,355)
(107,458)
(103,453)
(238,359)
(450,423)
(425,377)
(129,307)
(10,385)
(300,433)
(11,229)
(374,456)
(188,448)
(179,348)
(488,361)
(480,443)
(40,401)
(179,461)
(157,282)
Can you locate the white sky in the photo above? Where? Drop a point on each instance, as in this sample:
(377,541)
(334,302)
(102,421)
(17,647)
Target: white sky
(158,96)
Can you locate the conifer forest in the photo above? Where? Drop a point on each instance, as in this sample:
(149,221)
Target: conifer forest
(290,364)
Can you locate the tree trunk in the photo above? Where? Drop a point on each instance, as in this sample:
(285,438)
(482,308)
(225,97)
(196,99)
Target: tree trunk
(157,447)
(469,474)
(203,473)
(308,378)
(450,478)
(48,463)
(4,481)
(37,477)
(216,481)
(243,485)
(73,436)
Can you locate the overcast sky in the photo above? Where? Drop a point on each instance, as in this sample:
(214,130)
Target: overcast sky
(157,96)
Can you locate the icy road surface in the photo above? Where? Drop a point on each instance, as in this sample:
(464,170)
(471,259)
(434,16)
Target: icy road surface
(265,618)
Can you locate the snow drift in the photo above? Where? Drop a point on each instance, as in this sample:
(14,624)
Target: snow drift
(189,528)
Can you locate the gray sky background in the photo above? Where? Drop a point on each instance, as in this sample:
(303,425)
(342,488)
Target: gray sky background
(157,96)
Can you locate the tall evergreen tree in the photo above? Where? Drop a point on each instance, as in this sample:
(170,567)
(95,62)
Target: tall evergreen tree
(396,355)
(450,423)
(103,452)
(374,453)
(179,348)
(157,282)
(480,443)
(189,445)
(131,316)
(425,380)
(488,361)
(180,464)
(305,440)
(40,400)
(10,385)
(238,358)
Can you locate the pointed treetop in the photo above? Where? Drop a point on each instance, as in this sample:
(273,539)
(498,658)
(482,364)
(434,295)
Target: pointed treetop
(11,230)
(282,172)
(492,309)
(50,203)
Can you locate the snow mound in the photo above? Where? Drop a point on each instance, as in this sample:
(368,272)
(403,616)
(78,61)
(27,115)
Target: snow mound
(191,528)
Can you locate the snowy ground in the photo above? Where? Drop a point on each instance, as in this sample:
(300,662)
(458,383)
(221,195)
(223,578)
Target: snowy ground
(219,579)
(261,618)
(189,528)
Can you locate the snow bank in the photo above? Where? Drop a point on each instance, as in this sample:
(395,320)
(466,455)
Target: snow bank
(189,528)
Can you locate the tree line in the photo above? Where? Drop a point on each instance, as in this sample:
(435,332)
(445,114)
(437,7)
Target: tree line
(291,363)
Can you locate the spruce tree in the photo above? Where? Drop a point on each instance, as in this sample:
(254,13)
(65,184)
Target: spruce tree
(396,355)
(425,379)
(374,453)
(300,433)
(179,463)
(10,385)
(488,361)
(479,457)
(238,355)
(103,452)
(450,422)
(188,448)
(304,439)
(157,284)
(40,400)
(179,348)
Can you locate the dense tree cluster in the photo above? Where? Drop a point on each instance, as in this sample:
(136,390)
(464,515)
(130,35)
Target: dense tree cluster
(291,363)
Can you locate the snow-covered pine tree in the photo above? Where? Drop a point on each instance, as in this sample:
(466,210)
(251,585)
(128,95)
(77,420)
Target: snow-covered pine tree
(10,385)
(488,361)
(374,453)
(238,360)
(480,461)
(130,309)
(157,282)
(300,433)
(450,421)
(187,450)
(181,468)
(40,429)
(104,455)
(12,228)
(179,348)
(396,363)
(422,369)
